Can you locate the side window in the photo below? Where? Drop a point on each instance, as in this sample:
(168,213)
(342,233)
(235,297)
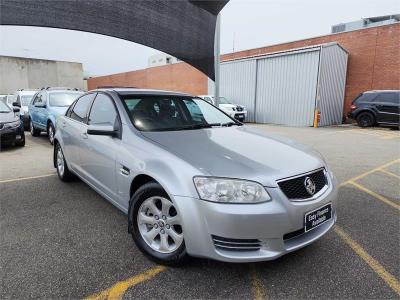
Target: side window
(392,98)
(208,99)
(79,111)
(103,111)
(70,108)
(194,110)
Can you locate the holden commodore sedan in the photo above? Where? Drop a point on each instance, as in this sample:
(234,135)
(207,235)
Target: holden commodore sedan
(192,180)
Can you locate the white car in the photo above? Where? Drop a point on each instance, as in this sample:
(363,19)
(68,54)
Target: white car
(238,112)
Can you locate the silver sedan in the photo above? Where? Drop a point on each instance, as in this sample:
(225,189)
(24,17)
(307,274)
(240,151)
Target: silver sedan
(192,180)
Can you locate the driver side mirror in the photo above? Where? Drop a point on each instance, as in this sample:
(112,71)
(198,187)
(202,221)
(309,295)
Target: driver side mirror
(16,109)
(107,130)
(16,104)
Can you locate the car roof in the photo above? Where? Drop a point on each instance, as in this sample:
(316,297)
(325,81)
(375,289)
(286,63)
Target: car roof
(135,91)
(382,91)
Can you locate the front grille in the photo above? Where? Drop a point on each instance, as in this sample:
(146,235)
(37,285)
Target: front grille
(239,108)
(228,244)
(295,189)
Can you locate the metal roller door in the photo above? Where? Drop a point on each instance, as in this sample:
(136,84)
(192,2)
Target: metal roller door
(286,88)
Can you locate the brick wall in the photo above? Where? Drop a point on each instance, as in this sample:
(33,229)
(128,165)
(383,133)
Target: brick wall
(374,63)
(179,77)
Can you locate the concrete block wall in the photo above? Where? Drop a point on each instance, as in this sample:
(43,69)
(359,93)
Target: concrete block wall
(26,73)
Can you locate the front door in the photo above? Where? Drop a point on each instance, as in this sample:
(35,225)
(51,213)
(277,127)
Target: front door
(98,152)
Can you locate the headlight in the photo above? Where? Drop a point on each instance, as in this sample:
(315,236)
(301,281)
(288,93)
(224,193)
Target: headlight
(12,124)
(230,190)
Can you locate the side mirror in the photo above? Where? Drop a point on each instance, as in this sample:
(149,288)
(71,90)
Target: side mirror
(102,130)
(16,109)
(16,104)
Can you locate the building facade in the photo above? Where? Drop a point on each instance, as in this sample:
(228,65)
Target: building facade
(373,63)
(28,73)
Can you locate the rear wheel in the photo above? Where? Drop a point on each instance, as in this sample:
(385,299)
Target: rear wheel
(62,169)
(51,132)
(33,130)
(365,119)
(156,226)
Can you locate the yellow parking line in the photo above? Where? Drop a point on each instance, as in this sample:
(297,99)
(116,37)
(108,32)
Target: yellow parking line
(373,194)
(389,173)
(27,178)
(118,290)
(373,263)
(370,172)
(256,285)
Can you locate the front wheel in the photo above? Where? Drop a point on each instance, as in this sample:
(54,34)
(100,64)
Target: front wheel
(156,226)
(33,130)
(21,142)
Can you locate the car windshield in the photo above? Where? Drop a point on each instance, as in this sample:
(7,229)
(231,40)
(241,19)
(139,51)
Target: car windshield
(63,98)
(171,113)
(4,108)
(223,100)
(26,99)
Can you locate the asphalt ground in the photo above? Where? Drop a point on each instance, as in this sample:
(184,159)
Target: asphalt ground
(61,240)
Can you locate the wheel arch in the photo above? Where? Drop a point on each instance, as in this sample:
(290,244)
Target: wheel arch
(56,142)
(363,110)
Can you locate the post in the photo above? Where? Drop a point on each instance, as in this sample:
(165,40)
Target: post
(217,45)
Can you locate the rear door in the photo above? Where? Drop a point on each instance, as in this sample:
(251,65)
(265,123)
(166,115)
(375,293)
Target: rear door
(387,105)
(71,128)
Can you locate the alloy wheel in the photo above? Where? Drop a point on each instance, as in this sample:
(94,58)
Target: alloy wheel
(160,225)
(60,161)
(51,134)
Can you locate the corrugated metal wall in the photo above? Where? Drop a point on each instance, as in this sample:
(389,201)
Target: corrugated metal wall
(238,84)
(286,88)
(332,84)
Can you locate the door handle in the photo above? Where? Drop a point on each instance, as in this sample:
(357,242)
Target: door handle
(63,124)
(84,135)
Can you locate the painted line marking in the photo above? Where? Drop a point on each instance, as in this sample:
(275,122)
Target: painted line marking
(117,291)
(373,194)
(389,279)
(27,178)
(370,172)
(256,286)
(389,173)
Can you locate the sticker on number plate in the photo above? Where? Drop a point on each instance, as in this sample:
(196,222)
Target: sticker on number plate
(317,217)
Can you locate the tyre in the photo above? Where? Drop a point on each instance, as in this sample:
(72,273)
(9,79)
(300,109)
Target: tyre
(21,142)
(33,130)
(61,165)
(365,119)
(50,132)
(155,225)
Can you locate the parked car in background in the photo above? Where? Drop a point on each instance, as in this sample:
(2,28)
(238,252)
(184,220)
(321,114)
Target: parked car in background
(22,98)
(192,180)
(380,107)
(11,127)
(238,112)
(3,98)
(46,105)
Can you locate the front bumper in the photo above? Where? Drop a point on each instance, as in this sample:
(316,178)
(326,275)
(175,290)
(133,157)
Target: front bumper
(273,223)
(8,136)
(238,115)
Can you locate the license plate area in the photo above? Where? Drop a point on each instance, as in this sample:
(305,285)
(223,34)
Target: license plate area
(317,217)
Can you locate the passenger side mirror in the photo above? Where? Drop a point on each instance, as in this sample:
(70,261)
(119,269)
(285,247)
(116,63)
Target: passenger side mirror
(16,109)
(102,130)
(16,104)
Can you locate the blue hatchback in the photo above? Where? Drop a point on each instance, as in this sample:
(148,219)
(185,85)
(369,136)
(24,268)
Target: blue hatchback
(46,106)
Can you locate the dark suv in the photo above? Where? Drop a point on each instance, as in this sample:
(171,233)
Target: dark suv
(376,107)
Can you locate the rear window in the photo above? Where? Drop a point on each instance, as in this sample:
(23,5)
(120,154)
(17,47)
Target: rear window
(363,98)
(63,98)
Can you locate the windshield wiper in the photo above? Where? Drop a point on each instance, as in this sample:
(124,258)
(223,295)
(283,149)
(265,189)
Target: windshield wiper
(229,124)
